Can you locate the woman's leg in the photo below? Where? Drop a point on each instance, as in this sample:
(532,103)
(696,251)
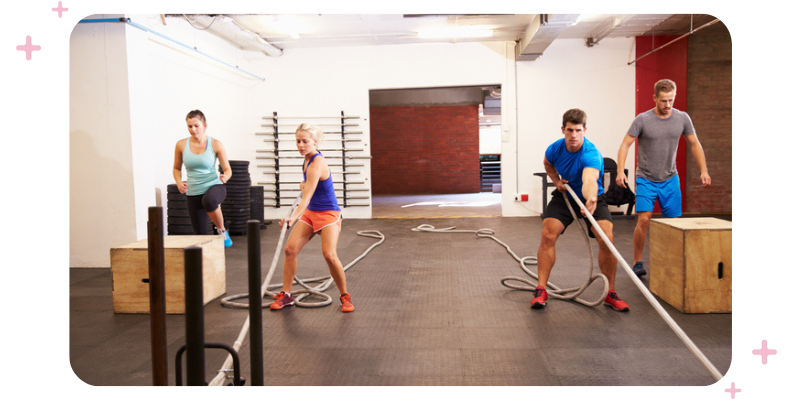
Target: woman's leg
(212,199)
(330,239)
(197,214)
(300,235)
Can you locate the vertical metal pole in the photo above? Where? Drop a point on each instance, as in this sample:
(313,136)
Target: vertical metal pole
(344,167)
(254,294)
(158,303)
(195,335)
(277,160)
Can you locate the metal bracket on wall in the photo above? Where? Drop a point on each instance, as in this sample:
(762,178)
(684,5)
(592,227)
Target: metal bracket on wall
(335,150)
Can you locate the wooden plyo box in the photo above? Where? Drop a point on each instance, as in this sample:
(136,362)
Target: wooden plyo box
(130,273)
(691,263)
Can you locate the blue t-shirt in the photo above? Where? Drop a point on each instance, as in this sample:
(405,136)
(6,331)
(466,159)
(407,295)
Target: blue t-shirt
(570,165)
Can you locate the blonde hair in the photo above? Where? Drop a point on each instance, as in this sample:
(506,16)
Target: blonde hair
(315,131)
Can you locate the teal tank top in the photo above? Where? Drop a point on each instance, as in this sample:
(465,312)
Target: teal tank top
(200,169)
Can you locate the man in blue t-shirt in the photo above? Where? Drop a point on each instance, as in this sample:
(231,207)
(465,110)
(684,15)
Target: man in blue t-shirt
(576,162)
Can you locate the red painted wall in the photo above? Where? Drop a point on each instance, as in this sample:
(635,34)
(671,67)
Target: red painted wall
(670,63)
(425,149)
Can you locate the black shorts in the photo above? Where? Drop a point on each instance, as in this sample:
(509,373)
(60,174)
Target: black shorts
(557,208)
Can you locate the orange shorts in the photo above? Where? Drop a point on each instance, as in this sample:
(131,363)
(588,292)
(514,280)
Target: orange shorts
(319,220)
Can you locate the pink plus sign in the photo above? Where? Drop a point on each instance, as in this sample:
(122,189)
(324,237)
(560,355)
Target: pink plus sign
(764,352)
(28,48)
(733,390)
(60,9)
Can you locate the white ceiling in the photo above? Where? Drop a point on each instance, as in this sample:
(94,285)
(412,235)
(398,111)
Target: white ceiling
(325,30)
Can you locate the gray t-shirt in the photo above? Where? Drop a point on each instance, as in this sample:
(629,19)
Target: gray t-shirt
(658,143)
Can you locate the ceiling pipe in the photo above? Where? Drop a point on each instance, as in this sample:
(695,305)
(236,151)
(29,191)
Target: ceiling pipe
(675,40)
(146,29)
(231,30)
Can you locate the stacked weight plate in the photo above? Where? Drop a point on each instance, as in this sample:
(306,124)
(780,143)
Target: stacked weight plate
(257,204)
(178,215)
(236,206)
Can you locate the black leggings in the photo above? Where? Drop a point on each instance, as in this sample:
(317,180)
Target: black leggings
(199,206)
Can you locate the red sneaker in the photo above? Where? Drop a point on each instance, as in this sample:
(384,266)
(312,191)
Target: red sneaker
(281,300)
(347,305)
(539,297)
(613,301)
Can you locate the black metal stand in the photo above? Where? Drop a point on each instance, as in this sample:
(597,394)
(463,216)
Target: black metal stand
(238,381)
(195,330)
(254,295)
(545,185)
(158,303)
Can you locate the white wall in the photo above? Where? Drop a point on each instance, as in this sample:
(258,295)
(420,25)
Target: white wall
(168,81)
(131,91)
(101,181)
(568,75)
(129,95)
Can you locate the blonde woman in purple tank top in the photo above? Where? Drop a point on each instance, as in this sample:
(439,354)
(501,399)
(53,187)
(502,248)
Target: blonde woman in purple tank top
(327,221)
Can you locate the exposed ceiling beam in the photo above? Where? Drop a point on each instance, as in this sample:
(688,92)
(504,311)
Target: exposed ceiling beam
(541,32)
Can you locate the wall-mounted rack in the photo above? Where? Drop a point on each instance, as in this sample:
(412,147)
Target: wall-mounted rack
(284,166)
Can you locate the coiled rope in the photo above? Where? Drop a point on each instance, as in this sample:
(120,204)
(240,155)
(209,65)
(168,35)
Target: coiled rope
(219,379)
(524,262)
(571,294)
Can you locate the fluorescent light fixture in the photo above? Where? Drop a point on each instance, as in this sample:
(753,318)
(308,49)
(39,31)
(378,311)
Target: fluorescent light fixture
(455,32)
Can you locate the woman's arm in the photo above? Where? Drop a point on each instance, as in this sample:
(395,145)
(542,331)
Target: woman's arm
(177,165)
(313,174)
(222,156)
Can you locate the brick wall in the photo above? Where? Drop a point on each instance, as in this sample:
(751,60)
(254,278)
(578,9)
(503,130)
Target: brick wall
(709,103)
(425,149)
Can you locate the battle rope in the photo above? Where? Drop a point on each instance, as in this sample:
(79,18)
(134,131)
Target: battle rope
(308,290)
(556,292)
(649,296)
(219,379)
(571,294)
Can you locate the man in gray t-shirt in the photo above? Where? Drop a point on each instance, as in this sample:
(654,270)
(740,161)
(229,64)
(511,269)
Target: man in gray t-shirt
(658,131)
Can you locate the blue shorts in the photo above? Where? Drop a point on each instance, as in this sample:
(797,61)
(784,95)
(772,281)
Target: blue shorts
(668,194)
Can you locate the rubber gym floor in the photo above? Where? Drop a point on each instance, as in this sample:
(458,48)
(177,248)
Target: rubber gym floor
(430,310)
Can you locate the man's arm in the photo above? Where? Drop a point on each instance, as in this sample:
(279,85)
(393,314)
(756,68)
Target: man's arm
(622,155)
(697,151)
(553,174)
(589,188)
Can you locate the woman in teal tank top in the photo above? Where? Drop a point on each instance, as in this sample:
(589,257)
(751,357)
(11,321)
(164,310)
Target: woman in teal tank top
(204,190)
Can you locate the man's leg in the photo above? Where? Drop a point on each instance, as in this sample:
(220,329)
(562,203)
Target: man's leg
(646,196)
(606,258)
(546,256)
(608,265)
(640,233)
